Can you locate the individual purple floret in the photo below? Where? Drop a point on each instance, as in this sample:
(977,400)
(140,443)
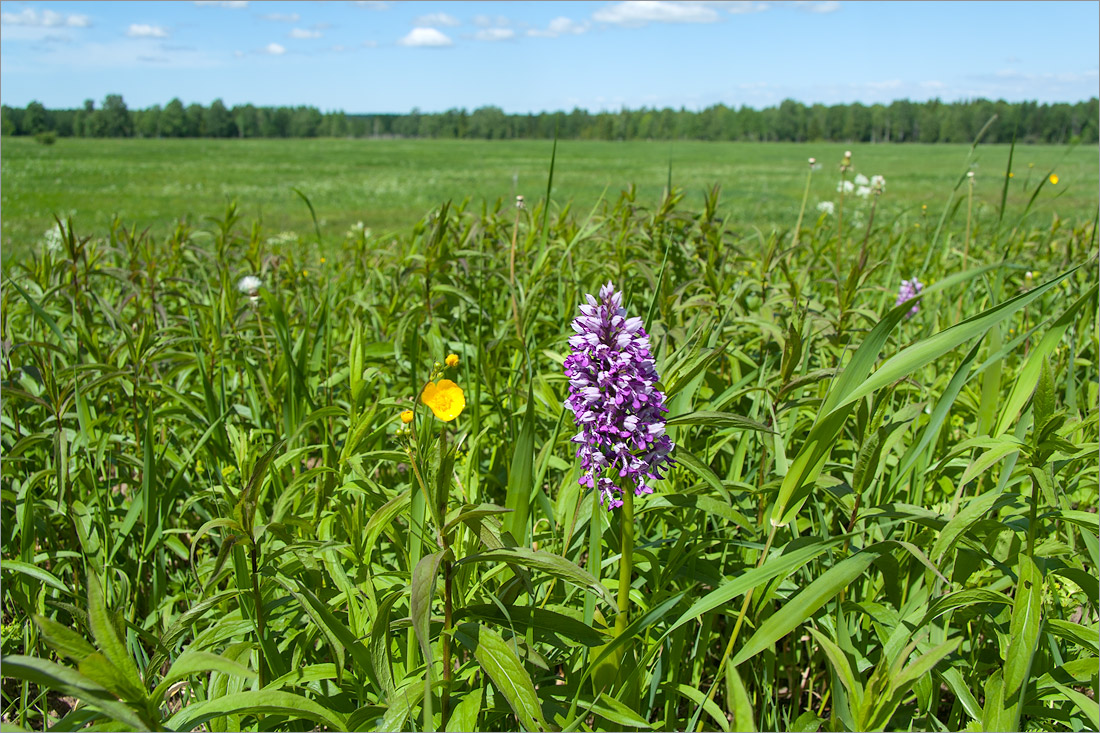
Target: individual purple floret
(909,289)
(614,401)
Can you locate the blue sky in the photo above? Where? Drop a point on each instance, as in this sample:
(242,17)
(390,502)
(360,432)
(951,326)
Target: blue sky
(535,56)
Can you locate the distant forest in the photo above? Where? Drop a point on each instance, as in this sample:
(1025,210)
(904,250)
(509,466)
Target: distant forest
(901,121)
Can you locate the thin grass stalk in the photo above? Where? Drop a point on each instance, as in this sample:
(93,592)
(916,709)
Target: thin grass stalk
(966,242)
(512,269)
(696,720)
(805,198)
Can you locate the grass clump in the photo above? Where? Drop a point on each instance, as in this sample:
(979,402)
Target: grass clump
(229,500)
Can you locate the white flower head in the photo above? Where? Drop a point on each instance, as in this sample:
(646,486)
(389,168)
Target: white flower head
(812,161)
(249,284)
(828,207)
(845,187)
(52,239)
(283,238)
(863,191)
(861,180)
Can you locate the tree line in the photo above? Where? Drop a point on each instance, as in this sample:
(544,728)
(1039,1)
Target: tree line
(900,121)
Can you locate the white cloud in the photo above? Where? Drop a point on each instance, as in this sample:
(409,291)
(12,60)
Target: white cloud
(435,20)
(830,6)
(427,37)
(124,53)
(495,34)
(739,7)
(45,19)
(636,13)
(223,3)
(559,27)
(303,33)
(282,18)
(370,44)
(373,4)
(274,49)
(143,30)
(484,21)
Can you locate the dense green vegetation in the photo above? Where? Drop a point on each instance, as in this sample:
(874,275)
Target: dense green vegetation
(387,184)
(880,518)
(932,121)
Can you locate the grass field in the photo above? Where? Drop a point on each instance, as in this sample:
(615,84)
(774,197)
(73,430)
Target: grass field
(329,482)
(389,184)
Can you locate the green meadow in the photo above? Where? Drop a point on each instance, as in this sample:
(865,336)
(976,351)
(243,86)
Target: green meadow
(265,469)
(389,184)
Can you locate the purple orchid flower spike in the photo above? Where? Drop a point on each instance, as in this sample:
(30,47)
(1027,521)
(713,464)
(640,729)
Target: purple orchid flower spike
(614,401)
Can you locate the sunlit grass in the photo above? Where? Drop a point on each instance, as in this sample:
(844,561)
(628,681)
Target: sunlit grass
(390,183)
(229,498)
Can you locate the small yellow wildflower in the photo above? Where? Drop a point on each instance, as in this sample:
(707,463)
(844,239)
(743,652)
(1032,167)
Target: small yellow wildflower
(322,260)
(407,416)
(452,360)
(1054,179)
(445,399)
(1011,174)
(199,468)
(305,273)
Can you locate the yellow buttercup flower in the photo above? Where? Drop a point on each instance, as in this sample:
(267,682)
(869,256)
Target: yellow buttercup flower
(1054,179)
(407,416)
(445,399)
(452,360)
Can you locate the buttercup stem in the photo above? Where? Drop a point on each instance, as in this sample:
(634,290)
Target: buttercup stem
(445,638)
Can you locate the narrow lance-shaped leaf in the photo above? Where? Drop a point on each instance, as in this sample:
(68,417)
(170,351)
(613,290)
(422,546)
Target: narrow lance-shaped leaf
(805,604)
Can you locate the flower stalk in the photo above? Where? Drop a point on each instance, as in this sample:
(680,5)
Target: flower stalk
(805,197)
(626,560)
(512,269)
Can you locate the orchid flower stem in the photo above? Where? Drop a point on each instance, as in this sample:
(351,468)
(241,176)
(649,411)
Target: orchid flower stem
(626,564)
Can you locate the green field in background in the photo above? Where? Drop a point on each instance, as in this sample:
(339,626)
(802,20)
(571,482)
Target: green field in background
(389,184)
